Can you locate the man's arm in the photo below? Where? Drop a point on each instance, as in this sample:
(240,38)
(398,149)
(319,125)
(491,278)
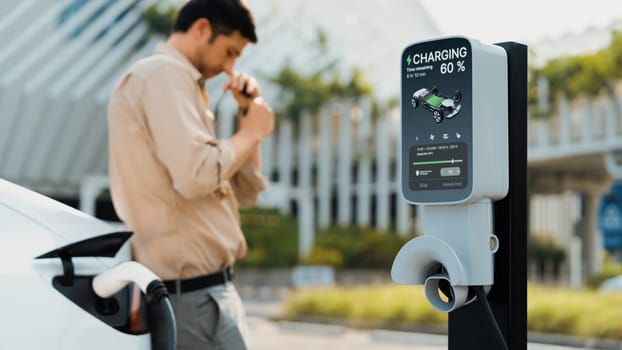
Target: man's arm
(255,126)
(196,161)
(247,183)
(245,91)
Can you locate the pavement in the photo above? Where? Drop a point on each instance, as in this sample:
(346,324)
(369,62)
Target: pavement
(269,333)
(272,335)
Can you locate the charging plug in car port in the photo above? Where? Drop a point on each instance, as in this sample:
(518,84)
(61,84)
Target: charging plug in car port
(116,311)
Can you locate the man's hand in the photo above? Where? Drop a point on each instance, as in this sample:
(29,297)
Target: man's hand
(259,120)
(253,128)
(243,87)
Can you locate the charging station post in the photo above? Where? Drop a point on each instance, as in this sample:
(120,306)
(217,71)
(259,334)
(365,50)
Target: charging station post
(468,327)
(464,159)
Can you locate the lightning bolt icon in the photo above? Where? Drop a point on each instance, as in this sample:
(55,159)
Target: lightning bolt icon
(408,60)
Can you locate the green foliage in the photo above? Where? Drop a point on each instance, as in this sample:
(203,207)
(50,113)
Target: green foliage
(324,256)
(301,92)
(550,310)
(581,313)
(363,248)
(588,75)
(160,20)
(322,40)
(273,242)
(308,92)
(272,238)
(545,250)
(610,269)
(390,305)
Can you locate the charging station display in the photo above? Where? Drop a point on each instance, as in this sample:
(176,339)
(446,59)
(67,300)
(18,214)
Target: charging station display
(437,121)
(438,167)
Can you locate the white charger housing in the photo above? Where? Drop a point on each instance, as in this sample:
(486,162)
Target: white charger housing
(454,162)
(454,122)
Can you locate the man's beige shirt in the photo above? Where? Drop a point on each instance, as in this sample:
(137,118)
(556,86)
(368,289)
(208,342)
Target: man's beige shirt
(167,170)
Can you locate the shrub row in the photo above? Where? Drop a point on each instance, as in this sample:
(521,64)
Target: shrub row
(380,304)
(581,313)
(272,238)
(610,269)
(273,242)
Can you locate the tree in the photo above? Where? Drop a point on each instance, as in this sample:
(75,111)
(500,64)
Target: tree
(301,92)
(160,20)
(588,75)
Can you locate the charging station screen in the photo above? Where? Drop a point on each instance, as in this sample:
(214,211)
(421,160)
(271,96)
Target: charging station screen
(437,121)
(438,167)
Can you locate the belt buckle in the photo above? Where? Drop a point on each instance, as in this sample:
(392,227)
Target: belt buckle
(227,273)
(178,290)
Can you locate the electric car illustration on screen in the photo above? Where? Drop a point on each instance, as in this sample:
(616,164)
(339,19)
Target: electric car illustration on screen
(442,107)
(51,257)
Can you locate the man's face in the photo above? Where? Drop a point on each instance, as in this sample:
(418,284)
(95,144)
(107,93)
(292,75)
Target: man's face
(217,55)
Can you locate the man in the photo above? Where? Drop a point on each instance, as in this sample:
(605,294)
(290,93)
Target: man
(175,184)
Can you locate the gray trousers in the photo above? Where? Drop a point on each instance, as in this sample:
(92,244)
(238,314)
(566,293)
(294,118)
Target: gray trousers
(209,318)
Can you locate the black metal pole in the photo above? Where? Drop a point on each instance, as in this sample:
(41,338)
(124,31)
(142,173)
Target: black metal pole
(468,327)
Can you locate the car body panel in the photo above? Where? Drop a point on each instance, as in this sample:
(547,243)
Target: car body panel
(35,314)
(68,224)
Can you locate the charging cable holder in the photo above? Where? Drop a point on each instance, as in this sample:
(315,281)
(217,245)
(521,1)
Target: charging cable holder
(456,252)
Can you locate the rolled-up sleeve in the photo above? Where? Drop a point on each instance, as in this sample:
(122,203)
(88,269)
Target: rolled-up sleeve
(197,162)
(247,183)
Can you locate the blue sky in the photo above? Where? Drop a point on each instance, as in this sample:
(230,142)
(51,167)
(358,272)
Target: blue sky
(527,21)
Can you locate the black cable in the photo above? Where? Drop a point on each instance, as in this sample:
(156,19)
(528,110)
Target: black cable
(492,322)
(157,290)
(172,329)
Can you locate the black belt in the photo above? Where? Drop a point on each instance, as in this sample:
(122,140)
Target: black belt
(194,283)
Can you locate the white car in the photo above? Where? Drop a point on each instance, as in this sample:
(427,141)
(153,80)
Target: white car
(49,254)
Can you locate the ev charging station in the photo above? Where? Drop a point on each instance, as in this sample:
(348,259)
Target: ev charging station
(464,160)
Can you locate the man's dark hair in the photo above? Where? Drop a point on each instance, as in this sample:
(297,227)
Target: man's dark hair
(225,16)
